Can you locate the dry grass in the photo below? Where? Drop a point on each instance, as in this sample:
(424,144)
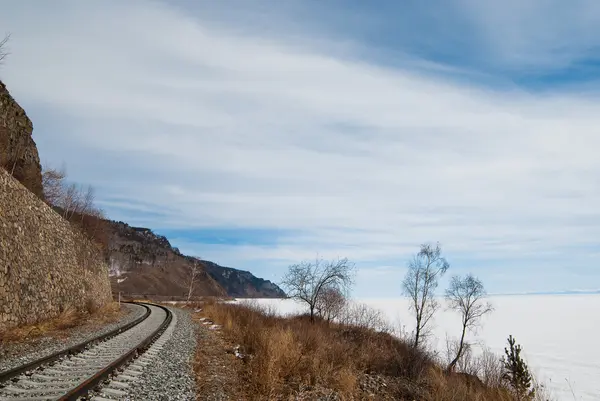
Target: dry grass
(286,356)
(60,325)
(216,368)
(461,387)
(108,313)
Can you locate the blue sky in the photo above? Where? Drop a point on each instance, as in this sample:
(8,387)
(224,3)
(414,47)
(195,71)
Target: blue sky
(259,133)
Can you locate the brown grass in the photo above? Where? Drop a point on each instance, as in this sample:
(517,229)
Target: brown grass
(60,325)
(286,356)
(217,369)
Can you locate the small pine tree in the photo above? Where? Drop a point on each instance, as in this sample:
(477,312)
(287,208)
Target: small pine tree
(516,373)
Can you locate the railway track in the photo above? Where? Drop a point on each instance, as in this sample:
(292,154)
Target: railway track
(73,373)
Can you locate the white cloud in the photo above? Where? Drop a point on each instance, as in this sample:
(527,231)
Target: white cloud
(228,130)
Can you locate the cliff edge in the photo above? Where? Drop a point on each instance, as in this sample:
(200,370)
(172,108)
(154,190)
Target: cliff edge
(18,152)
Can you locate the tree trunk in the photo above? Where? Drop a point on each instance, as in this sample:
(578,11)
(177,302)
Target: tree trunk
(417,333)
(312,313)
(190,291)
(460,349)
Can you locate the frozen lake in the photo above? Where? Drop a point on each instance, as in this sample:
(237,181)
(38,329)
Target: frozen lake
(559,335)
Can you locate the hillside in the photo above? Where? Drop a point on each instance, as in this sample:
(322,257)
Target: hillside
(146,264)
(240,283)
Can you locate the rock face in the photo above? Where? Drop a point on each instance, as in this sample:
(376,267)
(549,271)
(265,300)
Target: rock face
(145,263)
(46,265)
(18,153)
(241,283)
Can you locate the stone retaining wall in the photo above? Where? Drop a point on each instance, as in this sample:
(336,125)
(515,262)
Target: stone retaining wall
(46,265)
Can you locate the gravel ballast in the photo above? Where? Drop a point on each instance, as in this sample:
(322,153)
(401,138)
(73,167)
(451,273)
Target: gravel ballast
(170,375)
(16,354)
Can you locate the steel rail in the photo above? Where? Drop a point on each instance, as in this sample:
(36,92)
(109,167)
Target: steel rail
(105,372)
(11,373)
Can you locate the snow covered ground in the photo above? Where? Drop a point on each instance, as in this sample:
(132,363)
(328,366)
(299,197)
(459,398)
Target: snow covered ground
(559,335)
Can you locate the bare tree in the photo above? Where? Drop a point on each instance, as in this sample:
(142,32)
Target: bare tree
(72,198)
(69,199)
(87,202)
(308,281)
(53,184)
(76,203)
(3,51)
(330,304)
(467,362)
(192,272)
(82,202)
(466,295)
(420,283)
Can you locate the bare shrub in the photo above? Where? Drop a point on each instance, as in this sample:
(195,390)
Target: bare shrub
(364,316)
(542,393)
(489,368)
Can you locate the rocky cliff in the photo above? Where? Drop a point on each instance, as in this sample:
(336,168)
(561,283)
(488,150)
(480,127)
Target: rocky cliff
(18,153)
(144,263)
(241,283)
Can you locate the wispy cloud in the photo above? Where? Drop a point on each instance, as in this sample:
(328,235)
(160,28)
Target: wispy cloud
(539,34)
(191,121)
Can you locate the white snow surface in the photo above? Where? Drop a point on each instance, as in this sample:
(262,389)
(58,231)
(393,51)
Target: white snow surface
(559,334)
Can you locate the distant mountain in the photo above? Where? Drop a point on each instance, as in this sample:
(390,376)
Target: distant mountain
(144,263)
(562,292)
(240,283)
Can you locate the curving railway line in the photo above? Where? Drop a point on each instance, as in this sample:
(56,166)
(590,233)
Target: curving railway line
(85,368)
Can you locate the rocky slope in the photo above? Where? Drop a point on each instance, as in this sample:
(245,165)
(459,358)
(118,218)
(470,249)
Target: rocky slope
(18,153)
(241,283)
(145,264)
